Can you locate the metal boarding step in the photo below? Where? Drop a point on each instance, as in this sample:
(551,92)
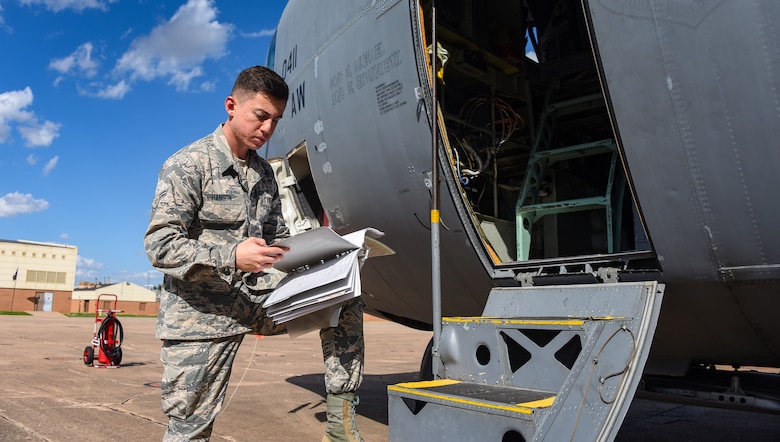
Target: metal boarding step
(462,406)
(542,363)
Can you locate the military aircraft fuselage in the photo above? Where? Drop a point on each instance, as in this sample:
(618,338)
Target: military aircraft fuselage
(579,142)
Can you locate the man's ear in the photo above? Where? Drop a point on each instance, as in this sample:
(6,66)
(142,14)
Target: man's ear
(230,105)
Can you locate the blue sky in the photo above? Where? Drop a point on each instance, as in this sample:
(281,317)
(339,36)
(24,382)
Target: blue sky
(94,95)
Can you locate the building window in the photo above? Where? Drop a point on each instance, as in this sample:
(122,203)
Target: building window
(142,307)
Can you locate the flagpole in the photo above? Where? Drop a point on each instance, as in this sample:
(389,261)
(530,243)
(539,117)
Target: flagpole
(13,293)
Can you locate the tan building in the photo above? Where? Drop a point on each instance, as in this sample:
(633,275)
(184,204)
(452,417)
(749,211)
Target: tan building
(36,276)
(126,296)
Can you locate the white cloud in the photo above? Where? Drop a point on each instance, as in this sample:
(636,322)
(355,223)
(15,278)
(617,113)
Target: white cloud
(12,106)
(79,61)
(208,86)
(2,20)
(50,165)
(37,134)
(13,204)
(32,159)
(259,34)
(12,111)
(177,49)
(532,55)
(116,91)
(146,279)
(127,33)
(77,5)
(181,79)
(88,269)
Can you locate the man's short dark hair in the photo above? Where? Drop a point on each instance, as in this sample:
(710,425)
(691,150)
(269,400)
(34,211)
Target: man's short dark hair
(261,80)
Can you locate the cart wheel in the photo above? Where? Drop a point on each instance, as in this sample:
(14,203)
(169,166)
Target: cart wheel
(89,355)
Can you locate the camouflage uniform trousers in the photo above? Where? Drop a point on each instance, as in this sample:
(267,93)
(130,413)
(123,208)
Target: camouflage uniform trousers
(196,373)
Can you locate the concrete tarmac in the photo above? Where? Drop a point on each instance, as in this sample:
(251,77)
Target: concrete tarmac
(276,391)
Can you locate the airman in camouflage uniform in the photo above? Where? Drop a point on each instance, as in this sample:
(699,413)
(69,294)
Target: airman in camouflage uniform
(215,209)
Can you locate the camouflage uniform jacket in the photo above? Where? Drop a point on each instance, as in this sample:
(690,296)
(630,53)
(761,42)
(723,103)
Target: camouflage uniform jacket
(204,205)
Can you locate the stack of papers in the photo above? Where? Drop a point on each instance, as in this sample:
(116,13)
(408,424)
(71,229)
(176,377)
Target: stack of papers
(323,271)
(318,286)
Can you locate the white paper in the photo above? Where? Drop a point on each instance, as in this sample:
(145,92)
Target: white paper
(323,272)
(316,278)
(319,297)
(325,318)
(311,246)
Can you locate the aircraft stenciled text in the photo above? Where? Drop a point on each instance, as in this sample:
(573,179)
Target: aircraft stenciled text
(368,57)
(290,63)
(297,99)
(337,86)
(387,96)
(378,69)
(365,69)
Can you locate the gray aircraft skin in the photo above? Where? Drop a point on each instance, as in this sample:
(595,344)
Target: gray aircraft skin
(684,96)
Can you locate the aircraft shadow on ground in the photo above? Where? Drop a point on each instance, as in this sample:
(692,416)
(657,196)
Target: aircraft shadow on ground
(372,393)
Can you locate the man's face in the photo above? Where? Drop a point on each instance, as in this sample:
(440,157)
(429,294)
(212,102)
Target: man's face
(252,120)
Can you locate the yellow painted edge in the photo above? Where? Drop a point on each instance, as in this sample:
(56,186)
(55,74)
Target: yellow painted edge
(428,384)
(517,321)
(541,403)
(525,408)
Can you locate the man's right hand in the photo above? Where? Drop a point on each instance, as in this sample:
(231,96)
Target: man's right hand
(254,255)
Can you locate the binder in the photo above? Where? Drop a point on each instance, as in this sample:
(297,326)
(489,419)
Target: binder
(323,272)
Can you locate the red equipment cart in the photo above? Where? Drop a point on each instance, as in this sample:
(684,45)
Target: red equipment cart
(107,337)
